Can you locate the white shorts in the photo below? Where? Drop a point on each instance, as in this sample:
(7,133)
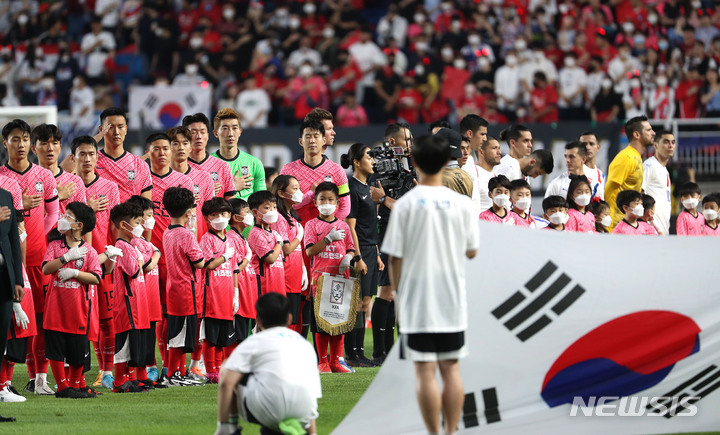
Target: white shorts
(271,401)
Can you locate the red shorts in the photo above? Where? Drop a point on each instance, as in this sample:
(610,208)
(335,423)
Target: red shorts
(39,285)
(105,298)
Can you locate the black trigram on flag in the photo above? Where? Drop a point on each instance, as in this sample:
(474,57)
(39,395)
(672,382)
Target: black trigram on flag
(151,100)
(190,100)
(697,387)
(470,417)
(544,298)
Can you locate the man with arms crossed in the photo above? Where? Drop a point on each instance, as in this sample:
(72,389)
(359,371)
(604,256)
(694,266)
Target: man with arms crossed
(431,297)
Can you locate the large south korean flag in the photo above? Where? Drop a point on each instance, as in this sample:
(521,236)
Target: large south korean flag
(161,108)
(575,334)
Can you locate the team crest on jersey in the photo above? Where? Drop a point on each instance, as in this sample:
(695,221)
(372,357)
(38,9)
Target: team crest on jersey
(214,176)
(79,263)
(38,186)
(131,175)
(328,178)
(196,189)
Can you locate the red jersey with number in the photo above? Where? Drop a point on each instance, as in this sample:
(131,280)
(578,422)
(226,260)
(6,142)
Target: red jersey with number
(181,252)
(204,190)
(328,260)
(293,263)
(247,279)
(37,181)
(62,178)
(28,307)
(161,183)
(580,222)
(152,279)
(129,172)
(271,275)
(217,298)
(491,216)
(327,170)
(130,310)
(68,303)
(689,225)
(13,187)
(219,173)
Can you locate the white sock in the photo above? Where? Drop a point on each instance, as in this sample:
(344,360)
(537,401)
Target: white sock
(194,363)
(107,372)
(153,366)
(41,377)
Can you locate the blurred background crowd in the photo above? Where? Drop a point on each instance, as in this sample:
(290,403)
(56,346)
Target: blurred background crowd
(371,61)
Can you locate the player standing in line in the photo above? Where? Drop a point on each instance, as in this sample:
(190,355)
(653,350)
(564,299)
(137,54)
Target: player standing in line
(575,157)
(241,219)
(248,172)
(326,119)
(428,222)
(711,206)
(656,181)
(219,171)
(521,198)
(689,221)
(474,128)
(102,195)
(593,173)
(630,202)
(519,140)
(266,244)
(40,202)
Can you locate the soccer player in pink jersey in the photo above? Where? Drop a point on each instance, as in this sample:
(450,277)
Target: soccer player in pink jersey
(326,119)
(499,192)
(266,244)
(580,219)
(183,256)
(128,171)
(45,140)
(102,195)
(202,181)
(247,283)
(689,221)
(330,245)
(220,298)
(199,126)
(521,198)
(40,202)
(630,203)
(555,209)
(711,206)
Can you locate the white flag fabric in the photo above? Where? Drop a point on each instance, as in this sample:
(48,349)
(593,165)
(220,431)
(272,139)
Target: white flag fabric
(162,108)
(626,328)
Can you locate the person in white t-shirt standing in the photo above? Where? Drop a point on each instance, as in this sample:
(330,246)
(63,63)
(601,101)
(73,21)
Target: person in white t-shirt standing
(592,171)
(575,157)
(253,105)
(519,140)
(656,180)
(431,222)
(271,378)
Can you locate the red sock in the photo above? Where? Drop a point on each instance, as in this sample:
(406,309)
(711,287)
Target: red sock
(208,351)
(58,371)
(141,373)
(11,369)
(30,359)
(161,335)
(76,374)
(321,341)
(336,348)
(107,343)
(4,369)
(98,354)
(228,350)
(219,358)
(131,375)
(83,385)
(121,370)
(41,363)
(175,357)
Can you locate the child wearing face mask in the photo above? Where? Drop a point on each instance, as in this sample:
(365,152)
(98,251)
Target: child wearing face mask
(601,211)
(646,222)
(521,198)
(689,221)
(499,192)
(286,189)
(555,208)
(266,244)
(220,298)
(630,202)
(580,219)
(711,206)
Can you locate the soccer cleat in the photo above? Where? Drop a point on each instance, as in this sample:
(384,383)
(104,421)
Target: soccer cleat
(71,393)
(213,378)
(7,396)
(107,381)
(342,362)
(128,387)
(196,374)
(339,368)
(367,362)
(30,386)
(178,380)
(90,391)
(43,389)
(359,362)
(378,360)
(98,380)
(324,367)
(152,373)
(12,389)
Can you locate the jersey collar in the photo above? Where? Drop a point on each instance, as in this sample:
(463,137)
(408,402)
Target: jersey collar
(7,165)
(111,158)
(317,166)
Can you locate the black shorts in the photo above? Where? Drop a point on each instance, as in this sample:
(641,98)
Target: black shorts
(131,348)
(150,343)
(436,342)
(219,332)
(384,275)
(369,281)
(294,299)
(74,349)
(182,332)
(243,326)
(16,350)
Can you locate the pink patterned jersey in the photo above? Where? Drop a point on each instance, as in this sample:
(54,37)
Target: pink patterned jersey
(67,303)
(97,189)
(129,172)
(162,183)
(247,279)
(710,231)
(623,227)
(648,229)
(689,225)
(13,187)
(152,279)
(293,262)
(219,172)
(203,189)
(181,252)
(527,221)
(580,222)
(328,260)
(62,178)
(36,180)
(217,298)
(327,170)
(271,275)
(130,310)
(491,216)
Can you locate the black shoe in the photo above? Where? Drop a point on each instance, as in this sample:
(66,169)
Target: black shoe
(71,393)
(146,384)
(378,360)
(354,362)
(367,361)
(6,419)
(30,386)
(90,392)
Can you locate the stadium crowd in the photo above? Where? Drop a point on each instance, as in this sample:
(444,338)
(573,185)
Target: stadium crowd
(369,60)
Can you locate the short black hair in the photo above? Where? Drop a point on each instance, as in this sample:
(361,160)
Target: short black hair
(216,205)
(663,132)
(156,136)
(712,197)
(574,183)
(237,204)
(634,125)
(45,132)
(312,124)
(435,124)
(518,184)
(259,198)
(113,111)
(499,181)
(177,201)
(197,117)
(514,132)
(473,123)
(144,203)
(124,212)
(579,146)
(596,207)
(395,129)
(15,124)
(588,133)
(689,189)
(648,202)
(554,201)
(82,140)
(83,213)
(625,197)
(272,310)
(327,186)
(544,159)
(431,153)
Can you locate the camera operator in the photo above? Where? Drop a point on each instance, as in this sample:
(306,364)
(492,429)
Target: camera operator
(383,310)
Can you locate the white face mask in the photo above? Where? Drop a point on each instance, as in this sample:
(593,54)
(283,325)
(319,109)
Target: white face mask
(606,221)
(309,8)
(249,220)
(63,225)
(635,83)
(137,231)
(220,223)
(607,84)
(297,197)
(484,62)
(326,209)
(662,81)
(558,218)
(305,71)
(523,203)
(690,203)
(228,14)
(192,222)
(710,214)
(511,60)
(582,200)
(294,23)
(501,200)
(446,52)
(459,64)
(419,18)
(328,33)
(652,19)
(196,43)
(638,210)
(191,69)
(474,40)
(628,27)
(270,217)
(149,223)
(569,62)
(421,46)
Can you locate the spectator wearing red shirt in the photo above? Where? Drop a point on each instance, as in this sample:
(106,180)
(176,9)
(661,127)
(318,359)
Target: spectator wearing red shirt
(633,11)
(543,100)
(350,114)
(409,101)
(688,94)
(187,19)
(307,90)
(454,78)
(345,77)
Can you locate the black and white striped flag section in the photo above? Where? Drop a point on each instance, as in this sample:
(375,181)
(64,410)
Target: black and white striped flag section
(573,333)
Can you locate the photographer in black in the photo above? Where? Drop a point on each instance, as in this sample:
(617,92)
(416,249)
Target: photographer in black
(383,310)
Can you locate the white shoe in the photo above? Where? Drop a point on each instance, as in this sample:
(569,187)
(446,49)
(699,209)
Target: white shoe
(8,396)
(42,388)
